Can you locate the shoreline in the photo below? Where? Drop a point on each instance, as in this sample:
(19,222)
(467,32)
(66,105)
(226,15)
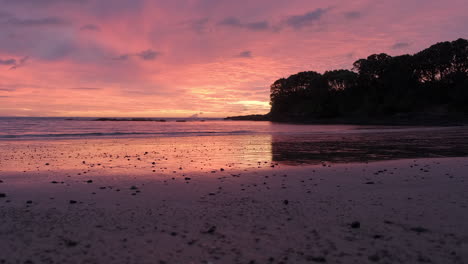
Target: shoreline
(417,120)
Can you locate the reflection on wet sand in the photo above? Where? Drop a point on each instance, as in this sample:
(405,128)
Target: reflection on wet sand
(366,147)
(137,156)
(205,154)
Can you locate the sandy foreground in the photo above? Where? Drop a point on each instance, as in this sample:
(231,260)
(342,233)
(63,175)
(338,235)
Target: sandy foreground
(101,204)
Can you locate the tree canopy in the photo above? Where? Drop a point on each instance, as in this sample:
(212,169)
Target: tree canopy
(435,79)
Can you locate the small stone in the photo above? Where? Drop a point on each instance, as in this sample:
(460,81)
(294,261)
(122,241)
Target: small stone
(70,243)
(285,202)
(419,230)
(3,195)
(374,258)
(89,181)
(211,230)
(317,259)
(73,202)
(355,225)
(29,202)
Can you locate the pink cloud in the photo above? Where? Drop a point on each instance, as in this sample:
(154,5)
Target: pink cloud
(172,58)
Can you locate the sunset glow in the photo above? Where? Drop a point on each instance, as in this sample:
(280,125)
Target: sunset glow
(210,58)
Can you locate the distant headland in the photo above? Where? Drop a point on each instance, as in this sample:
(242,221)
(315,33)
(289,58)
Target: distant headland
(429,87)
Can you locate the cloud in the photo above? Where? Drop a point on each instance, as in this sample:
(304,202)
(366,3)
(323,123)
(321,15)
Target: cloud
(8,62)
(198,25)
(90,27)
(400,45)
(14,63)
(41,3)
(353,15)
(231,21)
(254,26)
(144,55)
(59,49)
(258,26)
(122,57)
(86,88)
(148,54)
(245,54)
(20,63)
(307,19)
(34,22)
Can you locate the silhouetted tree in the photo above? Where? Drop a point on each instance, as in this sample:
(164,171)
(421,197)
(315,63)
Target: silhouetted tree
(340,80)
(435,78)
(302,94)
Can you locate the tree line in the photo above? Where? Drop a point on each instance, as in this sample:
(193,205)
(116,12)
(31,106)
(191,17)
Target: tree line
(434,80)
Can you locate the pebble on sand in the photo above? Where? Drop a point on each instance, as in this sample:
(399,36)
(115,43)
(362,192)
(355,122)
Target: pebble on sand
(355,224)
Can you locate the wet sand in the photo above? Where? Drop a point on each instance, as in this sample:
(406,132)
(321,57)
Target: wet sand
(227,200)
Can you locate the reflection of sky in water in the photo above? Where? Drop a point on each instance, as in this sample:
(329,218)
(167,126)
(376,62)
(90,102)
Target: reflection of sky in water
(59,128)
(234,152)
(368,145)
(181,154)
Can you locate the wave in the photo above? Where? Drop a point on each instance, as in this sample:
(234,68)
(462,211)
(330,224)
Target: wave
(123,134)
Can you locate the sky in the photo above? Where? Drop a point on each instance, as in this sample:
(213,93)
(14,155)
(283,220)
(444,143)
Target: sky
(200,58)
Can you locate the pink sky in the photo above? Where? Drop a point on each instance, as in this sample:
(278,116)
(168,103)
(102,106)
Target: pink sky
(183,57)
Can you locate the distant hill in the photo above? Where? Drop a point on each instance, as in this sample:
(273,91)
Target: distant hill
(429,86)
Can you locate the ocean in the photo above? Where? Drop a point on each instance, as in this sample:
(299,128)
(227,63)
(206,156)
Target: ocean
(286,143)
(84,127)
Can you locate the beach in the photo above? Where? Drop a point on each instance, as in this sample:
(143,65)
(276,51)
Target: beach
(233,132)
(231,199)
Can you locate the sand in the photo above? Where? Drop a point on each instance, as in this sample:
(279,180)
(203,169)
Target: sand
(71,202)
